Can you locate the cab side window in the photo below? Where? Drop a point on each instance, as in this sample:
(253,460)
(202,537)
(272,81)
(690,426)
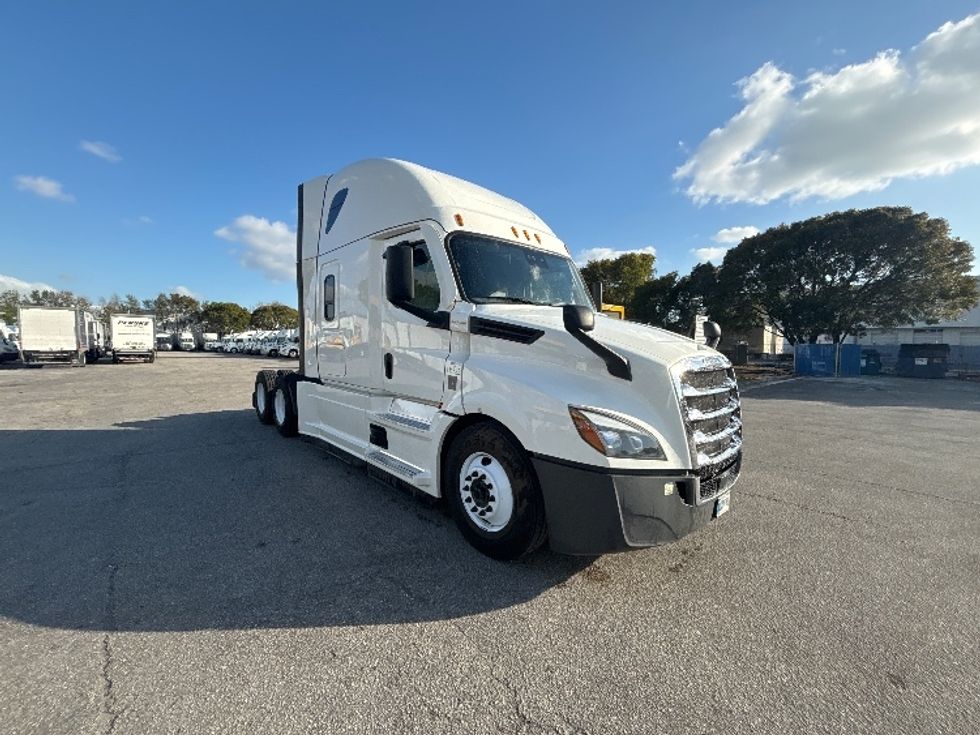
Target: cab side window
(427,296)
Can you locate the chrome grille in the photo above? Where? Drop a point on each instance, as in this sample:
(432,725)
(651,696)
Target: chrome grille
(712,414)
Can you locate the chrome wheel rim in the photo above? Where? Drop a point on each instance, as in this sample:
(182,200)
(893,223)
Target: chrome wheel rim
(260,397)
(279,404)
(485,490)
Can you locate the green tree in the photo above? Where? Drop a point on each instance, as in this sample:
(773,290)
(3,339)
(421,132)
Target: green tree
(620,277)
(46,297)
(174,312)
(672,301)
(653,302)
(9,301)
(275,316)
(839,272)
(224,317)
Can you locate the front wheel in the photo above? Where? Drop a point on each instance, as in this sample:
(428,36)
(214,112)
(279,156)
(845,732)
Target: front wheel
(493,493)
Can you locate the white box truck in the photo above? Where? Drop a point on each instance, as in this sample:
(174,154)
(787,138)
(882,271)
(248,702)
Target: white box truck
(132,336)
(53,334)
(448,340)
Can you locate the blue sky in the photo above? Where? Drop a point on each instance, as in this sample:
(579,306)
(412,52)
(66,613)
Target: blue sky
(145,148)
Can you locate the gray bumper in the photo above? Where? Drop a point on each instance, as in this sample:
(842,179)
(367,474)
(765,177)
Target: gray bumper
(596,511)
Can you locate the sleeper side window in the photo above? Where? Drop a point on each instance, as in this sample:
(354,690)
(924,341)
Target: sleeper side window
(329,298)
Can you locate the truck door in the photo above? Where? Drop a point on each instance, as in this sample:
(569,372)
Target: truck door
(331,340)
(416,336)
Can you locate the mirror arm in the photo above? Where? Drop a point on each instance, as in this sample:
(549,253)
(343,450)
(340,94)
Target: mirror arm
(617,365)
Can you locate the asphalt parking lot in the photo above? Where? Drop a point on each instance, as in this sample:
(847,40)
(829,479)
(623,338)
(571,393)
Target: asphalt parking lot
(169,565)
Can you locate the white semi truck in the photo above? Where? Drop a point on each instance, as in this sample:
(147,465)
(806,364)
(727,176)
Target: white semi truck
(447,339)
(132,336)
(54,334)
(8,347)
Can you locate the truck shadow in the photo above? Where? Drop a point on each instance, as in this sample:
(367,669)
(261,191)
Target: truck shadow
(212,521)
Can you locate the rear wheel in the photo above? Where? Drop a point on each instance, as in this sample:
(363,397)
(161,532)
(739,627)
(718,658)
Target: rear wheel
(152,357)
(265,384)
(284,410)
(493,493)
(293,353)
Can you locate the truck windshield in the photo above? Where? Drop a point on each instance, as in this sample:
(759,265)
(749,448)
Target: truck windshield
(495,271)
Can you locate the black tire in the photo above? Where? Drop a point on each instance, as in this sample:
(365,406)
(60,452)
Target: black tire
(265,384)
(115,359)
(526,529)
(284,409)
(152,357)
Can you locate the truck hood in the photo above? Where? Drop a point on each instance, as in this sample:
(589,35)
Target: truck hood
(639,342)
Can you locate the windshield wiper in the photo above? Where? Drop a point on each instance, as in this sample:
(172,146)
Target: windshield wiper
(511,300)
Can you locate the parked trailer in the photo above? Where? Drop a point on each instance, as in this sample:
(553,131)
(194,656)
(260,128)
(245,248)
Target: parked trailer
(133,336)
(448,341)
(53,334)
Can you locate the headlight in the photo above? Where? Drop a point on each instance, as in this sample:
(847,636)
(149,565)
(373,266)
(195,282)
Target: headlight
(613,437)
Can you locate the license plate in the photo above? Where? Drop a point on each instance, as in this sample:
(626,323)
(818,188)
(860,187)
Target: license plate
(721,504)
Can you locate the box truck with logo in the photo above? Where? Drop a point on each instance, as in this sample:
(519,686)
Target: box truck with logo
(132,336)
(448,340)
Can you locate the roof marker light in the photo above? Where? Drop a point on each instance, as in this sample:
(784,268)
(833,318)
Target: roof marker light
(537,237)
(514,230)
(527,236)
(459,219)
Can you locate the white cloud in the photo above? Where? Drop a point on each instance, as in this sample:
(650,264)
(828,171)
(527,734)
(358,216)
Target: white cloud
(727,238)
(839,51)
(608,253)
(734,235)
(269,247)
(141,220)
(835,134)
(9,283)
(100,149)
(43,187)
(184,291)
(714,254)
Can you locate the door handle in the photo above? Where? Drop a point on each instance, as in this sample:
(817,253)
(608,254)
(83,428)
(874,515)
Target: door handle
(389,365)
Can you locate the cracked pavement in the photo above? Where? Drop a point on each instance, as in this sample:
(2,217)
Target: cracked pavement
(169,565)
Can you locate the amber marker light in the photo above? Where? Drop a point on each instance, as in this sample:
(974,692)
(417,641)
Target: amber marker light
(537,237)
(459,219)
(514,230)
(587,431)
(527,236)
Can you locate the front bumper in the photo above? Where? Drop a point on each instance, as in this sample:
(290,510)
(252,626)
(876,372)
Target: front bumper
(592,510)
